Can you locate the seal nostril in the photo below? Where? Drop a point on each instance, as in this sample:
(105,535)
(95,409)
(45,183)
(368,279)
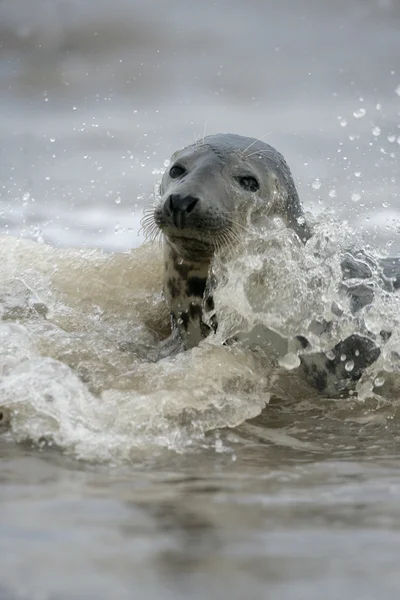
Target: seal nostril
(172,203)
(191,205)
(180,204)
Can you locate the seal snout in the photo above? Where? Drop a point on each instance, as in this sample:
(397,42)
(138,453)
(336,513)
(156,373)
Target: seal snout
(179,208)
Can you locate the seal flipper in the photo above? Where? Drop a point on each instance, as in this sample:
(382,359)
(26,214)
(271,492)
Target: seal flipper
(337,374)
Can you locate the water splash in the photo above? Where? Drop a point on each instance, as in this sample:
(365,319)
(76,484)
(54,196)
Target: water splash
(81,330)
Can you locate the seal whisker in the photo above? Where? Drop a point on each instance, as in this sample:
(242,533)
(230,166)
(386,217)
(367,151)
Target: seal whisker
(149,226)
(234,223)
(261,139)
(204,132)
(260,152)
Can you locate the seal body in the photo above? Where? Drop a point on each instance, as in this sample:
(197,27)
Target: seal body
(211,191)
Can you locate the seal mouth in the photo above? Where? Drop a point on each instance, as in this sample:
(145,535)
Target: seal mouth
(195,240)
(193,246)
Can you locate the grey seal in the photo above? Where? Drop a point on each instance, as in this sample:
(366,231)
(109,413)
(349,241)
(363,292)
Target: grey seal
(209,189)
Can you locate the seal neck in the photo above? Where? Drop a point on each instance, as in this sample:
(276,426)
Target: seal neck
(184,286)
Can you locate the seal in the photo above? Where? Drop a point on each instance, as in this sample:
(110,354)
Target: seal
(210,190)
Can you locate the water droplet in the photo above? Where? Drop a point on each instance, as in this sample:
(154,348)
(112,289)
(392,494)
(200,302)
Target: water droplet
(167,163)
(289,361)
(330,355)
(117,200)
(52,140)
(391,138)
(356,196)
(332,193)
(357,173)
(26,196)
(343,123)
(385,204)
(342,357)
(360,113)
(316,184)
(349,366)
(376,131)
(379,381)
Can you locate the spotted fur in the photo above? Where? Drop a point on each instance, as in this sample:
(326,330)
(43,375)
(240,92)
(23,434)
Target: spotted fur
(184,287)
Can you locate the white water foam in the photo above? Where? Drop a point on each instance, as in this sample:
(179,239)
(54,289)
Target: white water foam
(80,331)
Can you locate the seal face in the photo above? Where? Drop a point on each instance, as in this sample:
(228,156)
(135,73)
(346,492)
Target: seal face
(212,190)
(209,193)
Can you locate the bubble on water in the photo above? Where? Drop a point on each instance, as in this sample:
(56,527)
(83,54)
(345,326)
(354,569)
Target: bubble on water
(289,361)
(376,131)
(379,381)
(349,366)
(316,184)
(355,196)
(360,113)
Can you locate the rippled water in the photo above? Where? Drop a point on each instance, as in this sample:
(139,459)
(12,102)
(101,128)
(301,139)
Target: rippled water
(215,473)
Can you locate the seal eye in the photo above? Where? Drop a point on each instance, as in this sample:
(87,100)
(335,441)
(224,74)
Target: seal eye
(176,171)
(248,183)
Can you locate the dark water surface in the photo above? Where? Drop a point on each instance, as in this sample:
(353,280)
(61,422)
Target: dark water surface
(122,479)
